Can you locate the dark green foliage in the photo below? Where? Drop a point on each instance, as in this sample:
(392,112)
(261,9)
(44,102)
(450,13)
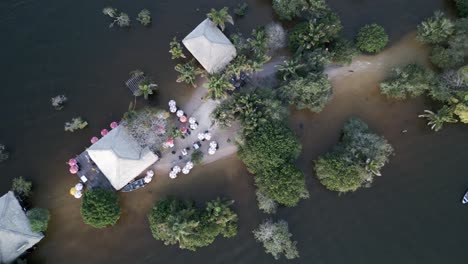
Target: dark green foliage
(446,58)
(100,208)
(317,32)
(315,61)
(269,152)
(371,38)
(437,120)
(359,156)
(197,157)
(218,85)
(289,9)
(241,9)
(462,7)
(21,187)
(175,221)
(38,219)
(312,92)
(343,51)
(409,81)
(436,29)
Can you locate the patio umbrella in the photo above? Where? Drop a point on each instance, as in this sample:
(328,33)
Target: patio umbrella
(185,170)
(180,113)
(183,119)
(176,169)
(104,132)
(207,136)
(73,169)
(148,179)
(94,140)
(213,144)
(211,151)
(78,194)
(192,120)
(79,186)
(183,129)
(172,175)
(172,103)
(172,109)
(72,191)
(201,136)
(72,162)
(114,125)
(150,173)
(193,126)
(189,165)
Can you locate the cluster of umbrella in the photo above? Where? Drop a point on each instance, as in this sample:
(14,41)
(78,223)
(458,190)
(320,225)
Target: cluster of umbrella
(204,136)
(77,191)
(73,163)
(213,148)
(104,132)
(149,176)
(176,170)
(181,115)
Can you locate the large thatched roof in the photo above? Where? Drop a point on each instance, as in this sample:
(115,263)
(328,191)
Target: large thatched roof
(16,235)
(210,46)
(120,158)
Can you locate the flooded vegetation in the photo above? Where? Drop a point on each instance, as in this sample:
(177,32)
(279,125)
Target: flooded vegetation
(411,214)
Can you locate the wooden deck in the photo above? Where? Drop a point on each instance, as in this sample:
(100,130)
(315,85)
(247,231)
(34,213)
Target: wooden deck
(88,169)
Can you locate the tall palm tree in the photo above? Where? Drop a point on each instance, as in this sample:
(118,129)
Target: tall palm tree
(188,72)
(219,17)
(289,69)
(218,85)
(437,120)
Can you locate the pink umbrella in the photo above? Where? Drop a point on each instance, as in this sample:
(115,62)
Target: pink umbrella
(104,132)
(94,140)
(170,141)
(183,119)
(73,169)
(72,162)
(183,130)
(114,125)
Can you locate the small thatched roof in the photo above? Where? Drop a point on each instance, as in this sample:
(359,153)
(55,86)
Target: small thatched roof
(16,235)
(120,158)
(210,46)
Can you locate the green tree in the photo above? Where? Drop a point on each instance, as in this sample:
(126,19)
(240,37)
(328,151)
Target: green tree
(289,9)
(371,38)
(38,219)
(276,239)
(175,49)
(312,92)
(343,51)
(197,156)
(265,203)
(21,187)
(410,81)
(289,69)
(446,58)
(100,208)
(239,65)
(219,17)
(144,17)
(218,85)
(337,174)
(436,29)
(436,120)
(146,89)
(461,110)
(188,72)
(462,7)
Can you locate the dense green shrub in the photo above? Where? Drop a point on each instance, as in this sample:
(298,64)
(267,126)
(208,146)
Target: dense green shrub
(175,221)
(371,38)
(358,157)
(436,29)
(21,187)
(197,156)
(462,7)
(100,208)
(38,219)
(312,92)
(410,81)
(276,239)
(289,9)
(446,58)
(343,51)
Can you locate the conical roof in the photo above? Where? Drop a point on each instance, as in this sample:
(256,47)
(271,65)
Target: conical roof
(210,46)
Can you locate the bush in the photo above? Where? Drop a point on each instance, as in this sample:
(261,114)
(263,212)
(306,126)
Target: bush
(289,9)
(359,156)
(100,208)
(4,155)
(144,17)
(462,7)
(312,92)
(446,58)
(265,203)
(409,81)
(436,29)
(276,239)
(38,219)
(343,51)
(175,221)
(371,38)
(21,187)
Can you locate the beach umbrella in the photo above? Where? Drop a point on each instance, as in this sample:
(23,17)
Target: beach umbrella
(183,119)
(170,141)
(72,191)
(213,144)
(176,169)
(211,151)
(150,173)
(201,136)
(73,169)
(207,136)
(179,113)
(185,170)
(193,126)
(78,194)
(172,175)
(192,120)
(172,109)
(114,125)
(189,165)
(79,186)
(94,140)
(104,132)
(72,162)
(183,129)
(148,179)
(172,103)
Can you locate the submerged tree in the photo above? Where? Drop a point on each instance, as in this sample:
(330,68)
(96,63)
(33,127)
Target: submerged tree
(144,17)
(4,155)
(176,49)
(121,18)
(462,7)
(58,101)
(371,38)
(38,219)
(265,203)
(410,81)
(276,239)
(100,208)
(436,120)
(75,124)
(219,17)
(343,51)
(241,9)
(436,29)
(21,187)
(218,85)
(188,72)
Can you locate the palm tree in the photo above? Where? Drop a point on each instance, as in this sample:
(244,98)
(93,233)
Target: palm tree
(220,17)
(188,72)
(146,88)
(144,17)
(176,49)
(373,167)
(218,85)
(437,120)
(258,42)
(289,69)
(238,65)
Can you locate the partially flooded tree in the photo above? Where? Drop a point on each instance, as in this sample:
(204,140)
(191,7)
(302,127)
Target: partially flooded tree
(144,17)
(75,124)
(176,49)
(276,239)
(21,187)
(188,72)
(410,81)
(265,203)
(58,101)
(436,29)
(437,120)
(38,219)
(372,38)
(121,19)
(218,85)
(220,17)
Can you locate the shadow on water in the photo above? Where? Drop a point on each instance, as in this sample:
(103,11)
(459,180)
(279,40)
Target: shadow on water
(410,215)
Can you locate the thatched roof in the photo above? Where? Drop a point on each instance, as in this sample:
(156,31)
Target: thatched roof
(210,46)
(16,235)
(120,158)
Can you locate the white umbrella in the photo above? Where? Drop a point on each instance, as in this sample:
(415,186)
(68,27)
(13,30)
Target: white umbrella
(192,120)
(150,173)
(179,113)
(176,169)
(79,187)
(172,109)
(189,165)
(207,136)
(213,144)
(148,179)
(185,170)
(172,103)
(193,126)
(172,175)
(78,194)
(211,151)
(201,136)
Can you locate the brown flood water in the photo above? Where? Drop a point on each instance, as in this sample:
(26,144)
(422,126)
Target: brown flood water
(412,213)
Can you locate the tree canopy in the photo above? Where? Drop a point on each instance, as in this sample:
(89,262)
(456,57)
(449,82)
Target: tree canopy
(176,221)
(38,219)
(371,38)
(276,239)
(410,81)
(100,208)
(436,29)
